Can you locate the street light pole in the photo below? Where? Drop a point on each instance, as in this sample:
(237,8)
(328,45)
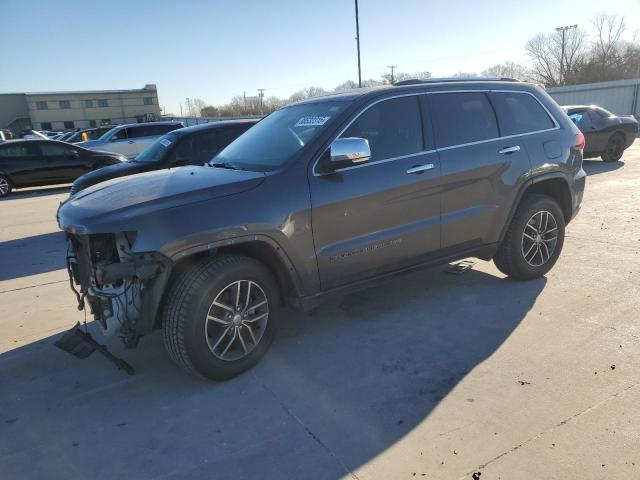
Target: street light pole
(563,29)
(392,67)
(358,44)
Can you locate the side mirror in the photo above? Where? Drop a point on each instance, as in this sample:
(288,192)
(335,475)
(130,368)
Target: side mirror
(349,150)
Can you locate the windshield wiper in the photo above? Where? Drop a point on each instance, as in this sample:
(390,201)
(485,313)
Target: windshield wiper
(227,165)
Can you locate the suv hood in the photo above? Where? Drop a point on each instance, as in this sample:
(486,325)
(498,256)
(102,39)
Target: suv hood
(106,206)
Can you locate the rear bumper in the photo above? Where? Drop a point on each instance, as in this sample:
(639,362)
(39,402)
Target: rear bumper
(577,191)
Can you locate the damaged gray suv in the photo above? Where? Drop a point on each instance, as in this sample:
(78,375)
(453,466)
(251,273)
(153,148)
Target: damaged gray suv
(320,197)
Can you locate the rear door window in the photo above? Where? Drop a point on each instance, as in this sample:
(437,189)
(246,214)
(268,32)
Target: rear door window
(393,128)
(461,118)
(142,131)
(14,151)
(54,150)
(519,113)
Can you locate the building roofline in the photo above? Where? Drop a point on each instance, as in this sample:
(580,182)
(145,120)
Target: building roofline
(95,92)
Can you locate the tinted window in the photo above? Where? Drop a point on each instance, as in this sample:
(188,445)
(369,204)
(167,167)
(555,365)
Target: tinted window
(581,118)
(54,150)
(17,151)
(211,142)
(519,113)
(142,131)
(393,128)
(462,118)
(120,135)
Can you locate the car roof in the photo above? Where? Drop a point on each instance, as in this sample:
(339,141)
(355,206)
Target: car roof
(412,85)
(143,124)
(215,124)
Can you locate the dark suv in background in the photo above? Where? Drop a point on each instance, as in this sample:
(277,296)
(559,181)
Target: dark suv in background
(324,196)
(186,146)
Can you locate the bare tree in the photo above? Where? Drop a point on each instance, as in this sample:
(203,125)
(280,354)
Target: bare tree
(400,76)
(199,104)
(508,69)
(556,61)
(609,30)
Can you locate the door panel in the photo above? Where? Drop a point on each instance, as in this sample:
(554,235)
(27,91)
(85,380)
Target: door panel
(60,164)
(478,184)
(376,217)
(22,161)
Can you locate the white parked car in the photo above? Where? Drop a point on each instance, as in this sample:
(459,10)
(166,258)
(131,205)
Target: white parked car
(130,140)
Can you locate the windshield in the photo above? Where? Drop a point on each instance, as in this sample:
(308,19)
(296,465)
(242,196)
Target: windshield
(157,151)
(274,140)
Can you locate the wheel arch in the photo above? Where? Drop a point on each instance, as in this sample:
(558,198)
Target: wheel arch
(553,185)
(259,247)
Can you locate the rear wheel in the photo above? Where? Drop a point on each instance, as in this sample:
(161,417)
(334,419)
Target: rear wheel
(5,186)
(534,239)
(614,149)
(221,316)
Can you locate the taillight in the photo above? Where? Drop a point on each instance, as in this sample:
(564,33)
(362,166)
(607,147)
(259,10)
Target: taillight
(580,141)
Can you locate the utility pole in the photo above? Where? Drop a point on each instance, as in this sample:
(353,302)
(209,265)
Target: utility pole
(188,107)
(563,29)
(358,43)
(392,67)
(244,96)
(180,109)
(261,95)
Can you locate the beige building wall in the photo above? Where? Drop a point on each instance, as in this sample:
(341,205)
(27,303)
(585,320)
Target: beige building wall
(87,109)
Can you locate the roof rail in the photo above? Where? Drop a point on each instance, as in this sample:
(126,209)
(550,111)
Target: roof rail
(415,81)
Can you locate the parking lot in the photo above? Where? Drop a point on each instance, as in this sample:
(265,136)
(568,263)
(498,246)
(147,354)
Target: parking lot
(434,375)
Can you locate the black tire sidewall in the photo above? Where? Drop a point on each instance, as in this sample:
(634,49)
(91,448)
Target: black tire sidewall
(210,284)
(605,155)
(522,269)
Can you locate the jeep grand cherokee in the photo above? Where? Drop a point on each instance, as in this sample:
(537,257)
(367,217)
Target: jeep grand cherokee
(323,196)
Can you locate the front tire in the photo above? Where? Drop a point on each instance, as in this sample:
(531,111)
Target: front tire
(534,239)
(221,316)
(5,186)
(614,149)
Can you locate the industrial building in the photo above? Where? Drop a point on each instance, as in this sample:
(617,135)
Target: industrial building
(79,109)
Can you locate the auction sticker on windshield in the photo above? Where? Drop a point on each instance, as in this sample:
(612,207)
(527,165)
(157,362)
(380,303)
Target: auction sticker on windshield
(165,142)
(311,121)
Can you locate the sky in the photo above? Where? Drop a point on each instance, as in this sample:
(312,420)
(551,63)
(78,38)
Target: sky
(217,49)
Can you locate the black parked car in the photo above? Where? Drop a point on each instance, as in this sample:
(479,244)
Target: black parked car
(34,163)
(324,196)
(606,135)
(185,146)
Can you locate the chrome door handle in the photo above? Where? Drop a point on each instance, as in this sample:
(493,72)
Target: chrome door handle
(420,168)
(508,150)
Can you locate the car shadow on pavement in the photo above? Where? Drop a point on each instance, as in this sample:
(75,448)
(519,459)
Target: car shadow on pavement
(594,167)
(27,256)
(340,386)
(35,192)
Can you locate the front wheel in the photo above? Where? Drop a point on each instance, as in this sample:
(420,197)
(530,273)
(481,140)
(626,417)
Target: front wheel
(614,149)
(534,239)
(5,186)
(221,316)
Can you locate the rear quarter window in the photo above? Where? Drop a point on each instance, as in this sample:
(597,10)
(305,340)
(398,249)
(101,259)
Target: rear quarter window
(519,113)
(460,118)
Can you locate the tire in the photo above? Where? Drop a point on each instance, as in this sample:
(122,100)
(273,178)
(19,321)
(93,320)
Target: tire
(614,149)
(523,254)
(5,186)
(196,329)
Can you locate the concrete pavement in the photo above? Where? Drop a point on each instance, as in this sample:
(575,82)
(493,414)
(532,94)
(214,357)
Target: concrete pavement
(430,376)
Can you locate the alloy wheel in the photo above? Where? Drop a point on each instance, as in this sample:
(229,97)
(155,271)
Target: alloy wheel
(539,238)
(237,320)
(4,186)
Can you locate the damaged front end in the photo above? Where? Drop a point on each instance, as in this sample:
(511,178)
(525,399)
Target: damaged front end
(122,288)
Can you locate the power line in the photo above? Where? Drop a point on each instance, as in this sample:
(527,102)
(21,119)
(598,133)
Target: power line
(358,44)
(564,30)
(392,67)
